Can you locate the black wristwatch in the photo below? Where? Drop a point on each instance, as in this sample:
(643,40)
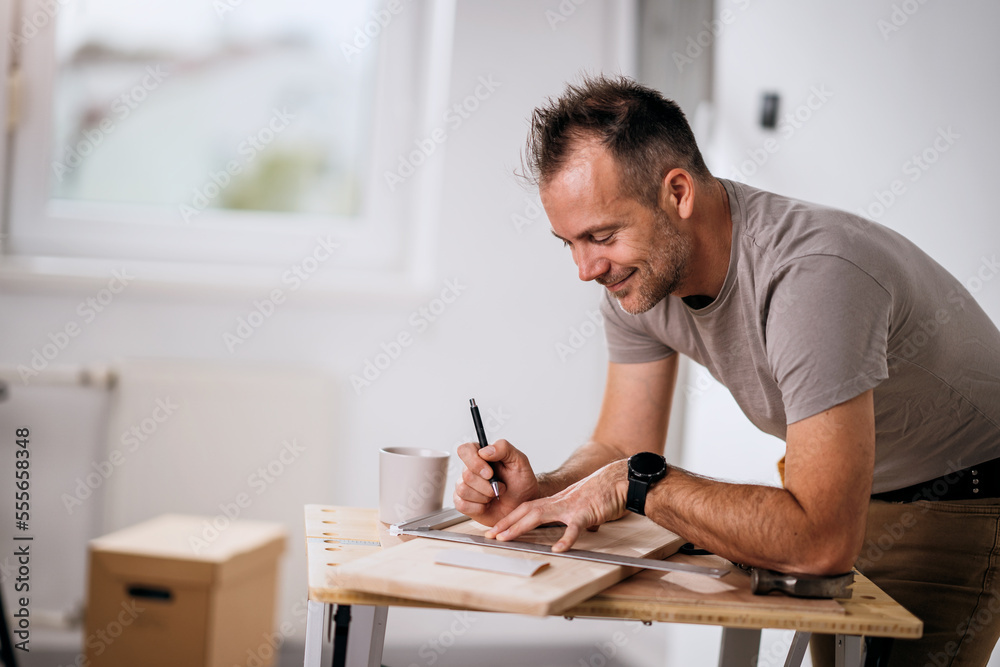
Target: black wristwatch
(644,470)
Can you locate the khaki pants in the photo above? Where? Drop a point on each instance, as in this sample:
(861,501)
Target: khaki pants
(940,560)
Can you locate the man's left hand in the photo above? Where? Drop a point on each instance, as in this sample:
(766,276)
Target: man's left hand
(586,504)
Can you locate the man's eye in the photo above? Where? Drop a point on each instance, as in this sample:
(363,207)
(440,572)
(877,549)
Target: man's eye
(604,239)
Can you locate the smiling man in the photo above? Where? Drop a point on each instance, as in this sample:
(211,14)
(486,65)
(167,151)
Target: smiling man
(817,322)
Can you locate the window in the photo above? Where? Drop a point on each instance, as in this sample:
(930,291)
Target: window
(224,132)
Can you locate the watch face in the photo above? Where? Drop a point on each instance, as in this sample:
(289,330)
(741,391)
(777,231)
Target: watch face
(646,463)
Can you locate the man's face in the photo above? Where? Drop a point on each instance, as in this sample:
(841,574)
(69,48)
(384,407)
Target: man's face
(635,252)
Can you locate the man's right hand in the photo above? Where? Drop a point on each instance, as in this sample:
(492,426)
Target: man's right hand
(473,494)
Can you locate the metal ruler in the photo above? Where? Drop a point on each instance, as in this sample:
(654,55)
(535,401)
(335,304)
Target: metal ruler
(431,526)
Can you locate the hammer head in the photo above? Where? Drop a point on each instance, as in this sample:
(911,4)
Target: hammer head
(763,582)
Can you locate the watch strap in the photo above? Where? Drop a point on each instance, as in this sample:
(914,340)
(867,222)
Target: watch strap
(635,501)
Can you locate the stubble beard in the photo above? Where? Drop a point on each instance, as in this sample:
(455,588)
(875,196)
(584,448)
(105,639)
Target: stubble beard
(665,270)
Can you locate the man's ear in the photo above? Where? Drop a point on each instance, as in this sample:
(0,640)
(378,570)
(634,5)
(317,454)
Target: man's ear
(677,193)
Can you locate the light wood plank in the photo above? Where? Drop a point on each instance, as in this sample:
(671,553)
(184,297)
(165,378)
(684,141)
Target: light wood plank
(410,570)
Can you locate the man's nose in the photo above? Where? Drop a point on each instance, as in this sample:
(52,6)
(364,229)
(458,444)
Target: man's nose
(590,264)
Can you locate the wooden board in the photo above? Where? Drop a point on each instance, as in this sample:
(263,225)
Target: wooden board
(409,570)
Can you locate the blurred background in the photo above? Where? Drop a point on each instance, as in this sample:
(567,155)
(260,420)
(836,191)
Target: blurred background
(233,225)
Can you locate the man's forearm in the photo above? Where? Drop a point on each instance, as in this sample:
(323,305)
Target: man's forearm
(757,525)
(588,458)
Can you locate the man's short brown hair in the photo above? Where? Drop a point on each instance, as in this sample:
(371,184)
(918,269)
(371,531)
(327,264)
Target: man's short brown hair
(646,134)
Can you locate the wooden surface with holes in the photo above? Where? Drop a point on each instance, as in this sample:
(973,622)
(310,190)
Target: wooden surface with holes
(339,535)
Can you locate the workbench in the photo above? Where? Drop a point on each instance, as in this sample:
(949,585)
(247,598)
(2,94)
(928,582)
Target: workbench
(346,628)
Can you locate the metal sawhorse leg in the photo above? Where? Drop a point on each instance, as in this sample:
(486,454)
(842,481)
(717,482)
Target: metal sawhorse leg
(344,635)
(740,648)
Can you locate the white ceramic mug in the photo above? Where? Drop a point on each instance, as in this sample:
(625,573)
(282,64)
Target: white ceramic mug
(411,482)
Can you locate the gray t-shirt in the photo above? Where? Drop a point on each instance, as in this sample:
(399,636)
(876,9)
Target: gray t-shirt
(820,305)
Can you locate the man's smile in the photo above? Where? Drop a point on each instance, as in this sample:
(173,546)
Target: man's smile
(618,281)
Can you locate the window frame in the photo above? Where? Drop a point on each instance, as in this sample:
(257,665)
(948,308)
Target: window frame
(391,247)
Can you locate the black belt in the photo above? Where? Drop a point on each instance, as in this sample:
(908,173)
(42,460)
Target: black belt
(978,481)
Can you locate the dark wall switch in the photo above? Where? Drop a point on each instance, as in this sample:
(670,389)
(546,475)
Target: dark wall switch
(769,111)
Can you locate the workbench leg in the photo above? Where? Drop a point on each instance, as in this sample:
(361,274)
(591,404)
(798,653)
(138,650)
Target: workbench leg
(797,651)
(739,647)
(850,651)
(344,635)
(316,636)
(366,637)
(877,651)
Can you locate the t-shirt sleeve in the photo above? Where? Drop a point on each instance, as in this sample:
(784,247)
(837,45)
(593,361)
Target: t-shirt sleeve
(827,329)
(628,340)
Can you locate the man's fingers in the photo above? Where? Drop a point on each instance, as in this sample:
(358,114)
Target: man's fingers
(502,451)
(532,516)
(477,482)
(471,455)
(466,507)
(476,459)
(568,538)
(470,493)
(508,520)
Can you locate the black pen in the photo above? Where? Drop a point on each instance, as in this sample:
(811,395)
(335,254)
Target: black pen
(481,434)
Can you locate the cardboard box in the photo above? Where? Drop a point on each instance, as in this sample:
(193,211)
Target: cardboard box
(180,590)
